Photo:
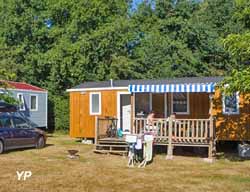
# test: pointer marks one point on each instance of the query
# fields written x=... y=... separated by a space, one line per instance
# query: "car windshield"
x=19 y=120
x=20 y=115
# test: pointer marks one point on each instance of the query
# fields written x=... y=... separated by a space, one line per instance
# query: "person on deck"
x=150 y=127
x=150 y=118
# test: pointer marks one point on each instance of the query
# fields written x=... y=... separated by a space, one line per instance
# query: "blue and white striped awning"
x=173 y=88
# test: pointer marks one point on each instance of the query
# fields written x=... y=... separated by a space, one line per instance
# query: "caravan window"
x=231 y=104
x=21 y=101
x=142 y=104
x=180 y=103
x=95 y=103
x=33 y=102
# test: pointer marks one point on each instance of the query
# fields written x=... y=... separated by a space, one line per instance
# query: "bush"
x=58 y=113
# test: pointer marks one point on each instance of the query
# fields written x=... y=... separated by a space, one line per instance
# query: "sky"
x=135 y=3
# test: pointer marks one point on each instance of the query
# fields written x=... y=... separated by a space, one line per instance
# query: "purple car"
x=17 y=131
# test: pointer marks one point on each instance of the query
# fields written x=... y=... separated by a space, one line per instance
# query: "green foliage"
x=6 y=75
x=61 y=112
x=237 y=81
x=7 y=96
x=239 y=47
x=57 y=44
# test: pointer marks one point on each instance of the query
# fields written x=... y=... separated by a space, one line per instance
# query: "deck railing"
x=105 y=127
x=167 y=131
x=178 y=130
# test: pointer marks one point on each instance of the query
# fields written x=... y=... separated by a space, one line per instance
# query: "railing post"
x=133 y=119
x=170 y=147
x=96 y=130
x=133 y=124
x=212 y=132
x=211 y=138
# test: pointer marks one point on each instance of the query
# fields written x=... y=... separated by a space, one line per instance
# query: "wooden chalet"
x=203 y=114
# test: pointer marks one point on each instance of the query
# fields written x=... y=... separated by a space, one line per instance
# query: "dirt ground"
x=53 y=171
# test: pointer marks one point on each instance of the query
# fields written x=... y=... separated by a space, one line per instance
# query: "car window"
x=20 y=123
x=31 y=123
x=5 y=122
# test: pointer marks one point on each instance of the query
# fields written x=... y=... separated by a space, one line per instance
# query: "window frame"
x=34 y=95
x=22 y=100
x=237 y=105
x=172 y=105
x=90 y=103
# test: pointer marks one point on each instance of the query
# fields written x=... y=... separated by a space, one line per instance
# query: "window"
x=95 y=103
x=142 y=104
x=20 y=123
x=33 y=102
x=180 y=103
x=21 y=100
x=231 y=104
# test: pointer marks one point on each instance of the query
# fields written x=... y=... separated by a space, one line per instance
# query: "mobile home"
x=33 y=101
x=195 y=101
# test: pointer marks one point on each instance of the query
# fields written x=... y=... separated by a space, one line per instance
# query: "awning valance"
x=173 y=88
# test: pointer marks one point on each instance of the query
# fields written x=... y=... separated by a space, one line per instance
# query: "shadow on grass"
x=183 y=151
x=50 y=135
x=25 y=149
x=48 y=145
x=228 y=150
x=56 y=134
x=231 y=157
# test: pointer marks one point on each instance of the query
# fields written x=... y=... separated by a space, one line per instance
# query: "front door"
x=126 y=116
x=125 y=112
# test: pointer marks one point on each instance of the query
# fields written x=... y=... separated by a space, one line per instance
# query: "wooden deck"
x=178 y=132
x=167 y=131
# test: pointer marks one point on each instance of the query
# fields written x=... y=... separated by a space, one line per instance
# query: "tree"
x=4 y=85
x=238 y=45
x=57 y=44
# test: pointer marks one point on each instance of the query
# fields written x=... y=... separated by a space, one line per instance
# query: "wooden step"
x=112 y=142
x=108 y=151
x=112 y=148
x=111 y=145
x=111 y=139
x=104 y=145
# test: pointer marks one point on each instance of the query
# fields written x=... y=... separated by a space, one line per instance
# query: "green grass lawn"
x=53 y=171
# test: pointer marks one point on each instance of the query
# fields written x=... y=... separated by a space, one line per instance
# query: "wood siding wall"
x=232 y=127
x=82 y=124
x=228 y=127
x=157 y=103
x=198 y=106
